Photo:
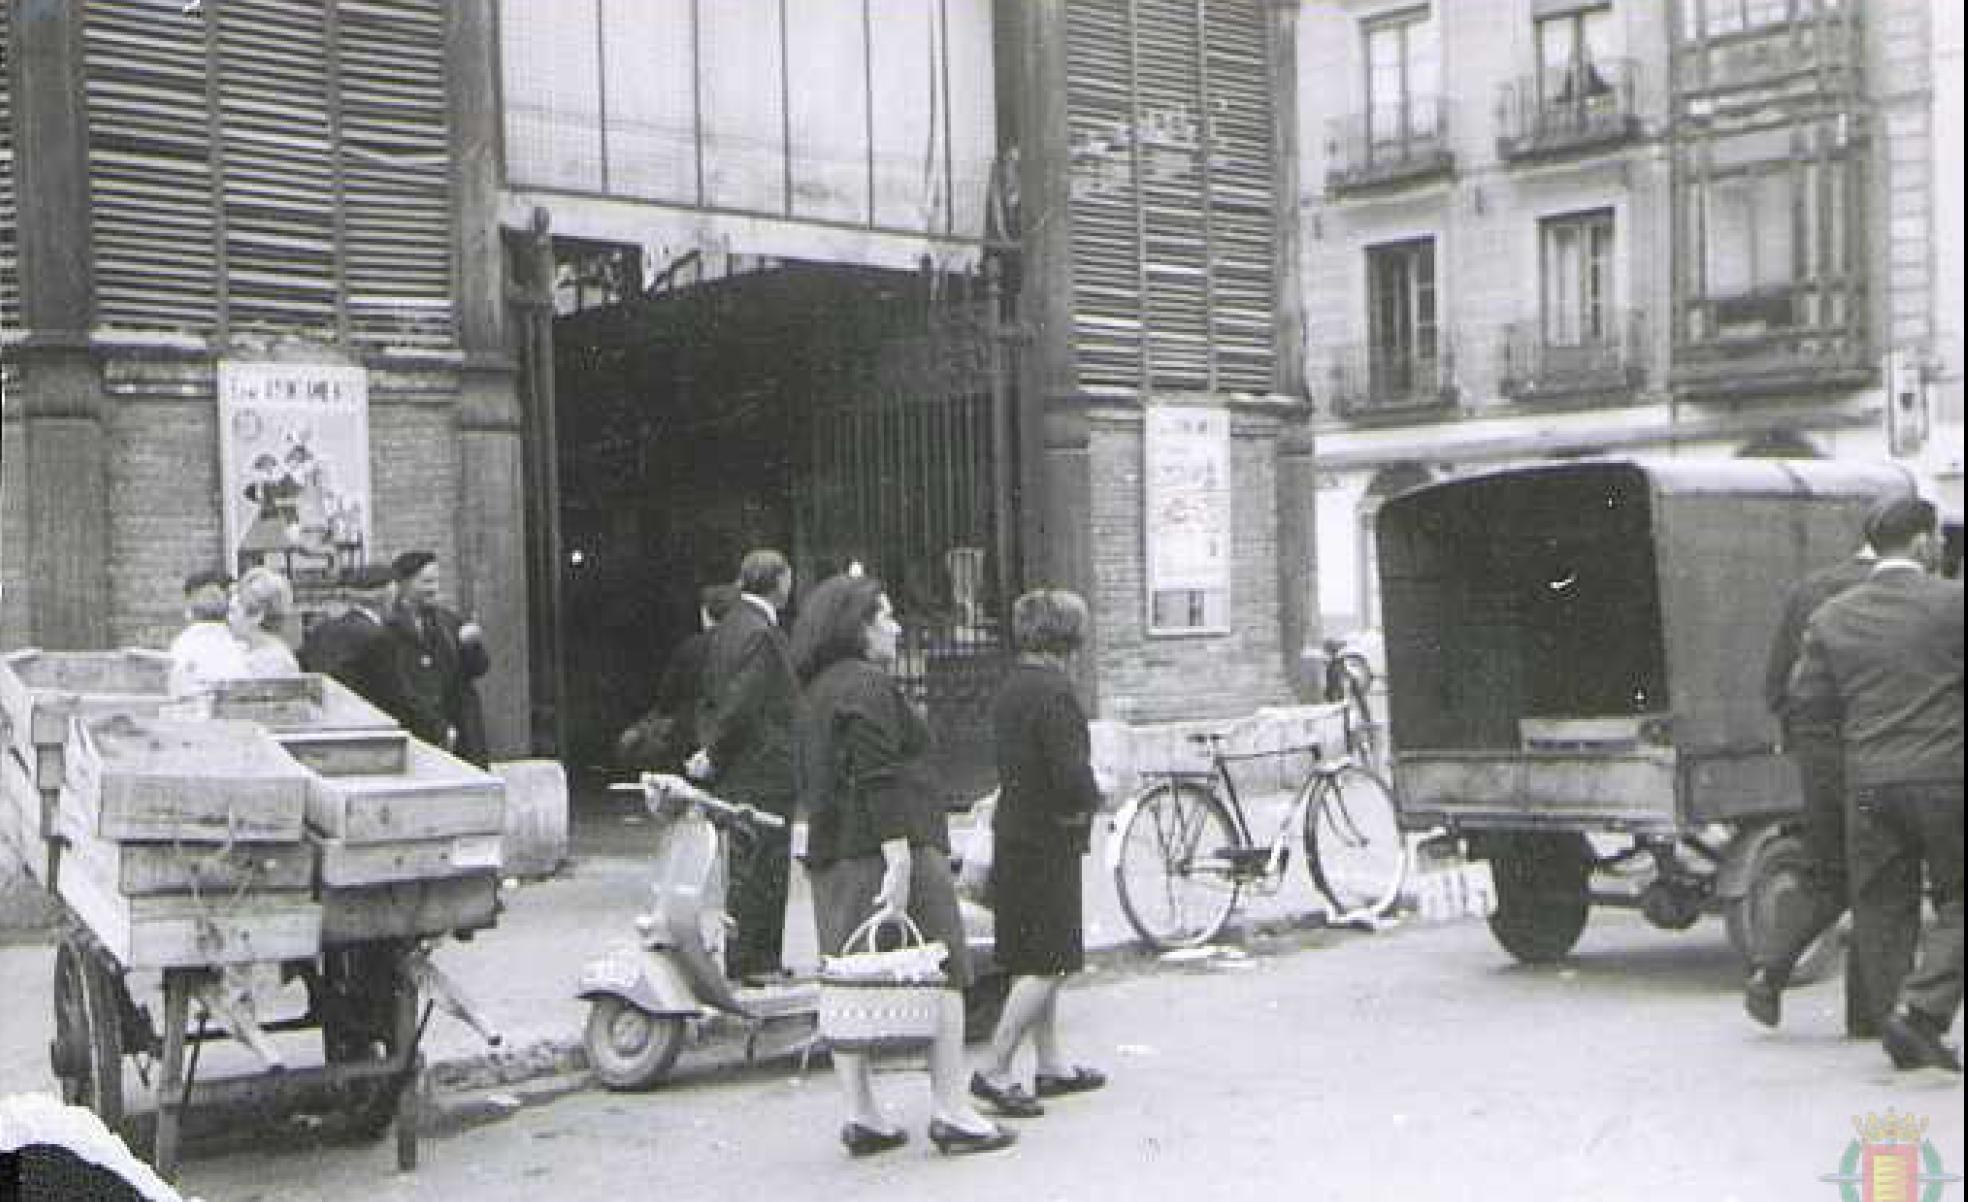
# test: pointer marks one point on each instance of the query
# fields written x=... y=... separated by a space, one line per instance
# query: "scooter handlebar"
x=655 y=786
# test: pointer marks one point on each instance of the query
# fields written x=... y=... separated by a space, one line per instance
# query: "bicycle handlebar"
x=657 y=786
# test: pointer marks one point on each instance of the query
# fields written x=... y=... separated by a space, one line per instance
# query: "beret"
x=410 y=563
x=1897 y=518
x=369 y=577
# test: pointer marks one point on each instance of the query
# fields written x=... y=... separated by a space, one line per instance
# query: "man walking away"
x=750 y=695
x=1884 y=660
x=1819 y=756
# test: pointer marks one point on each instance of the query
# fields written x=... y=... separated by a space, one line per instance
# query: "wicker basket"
x=882 y=1001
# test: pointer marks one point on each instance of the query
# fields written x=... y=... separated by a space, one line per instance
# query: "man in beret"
x=442 y=656
x=1884 y=661
x=356 y=646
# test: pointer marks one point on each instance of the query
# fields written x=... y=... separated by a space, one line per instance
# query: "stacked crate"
x=407 y=837
x=40 y=691
x=185 y=842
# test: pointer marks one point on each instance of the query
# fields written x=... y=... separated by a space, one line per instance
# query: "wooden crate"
x=159 y=779
x=346 y=865
x=406 y=909
x=349 y=752
x=182 y=930
x=41 y=690
x=436 y=795
x=306 y=702
x=145 y=869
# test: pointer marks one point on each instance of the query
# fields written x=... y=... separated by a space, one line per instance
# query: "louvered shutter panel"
x=1105 y=207
x=1243 y=209
x=1174 y=225
x=150 y=163
x=278 y=176
x=10 y=315
x=396 y=173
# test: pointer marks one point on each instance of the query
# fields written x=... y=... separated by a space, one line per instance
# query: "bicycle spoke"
x=1354 y=842
x=1176 y=887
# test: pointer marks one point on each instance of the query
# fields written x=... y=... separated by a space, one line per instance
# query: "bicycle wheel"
x=1353 y=843
x=1177 y=887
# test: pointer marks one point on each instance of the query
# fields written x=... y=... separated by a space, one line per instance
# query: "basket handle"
x=872 y=925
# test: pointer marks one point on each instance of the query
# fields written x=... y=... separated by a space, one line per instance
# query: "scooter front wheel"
x=628 y=1047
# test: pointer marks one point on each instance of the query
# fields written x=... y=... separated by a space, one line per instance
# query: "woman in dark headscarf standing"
x=877 y=841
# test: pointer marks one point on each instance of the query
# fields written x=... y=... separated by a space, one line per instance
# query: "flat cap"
x=370 y=577
x=1896 y=519
x=205 y=579
x=410 y=563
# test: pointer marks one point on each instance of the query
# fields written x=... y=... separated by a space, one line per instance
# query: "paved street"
x=1417 y=1063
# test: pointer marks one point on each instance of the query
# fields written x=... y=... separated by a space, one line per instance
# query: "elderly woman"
x=262 y=603
x=1047 y=800
x=878 y=843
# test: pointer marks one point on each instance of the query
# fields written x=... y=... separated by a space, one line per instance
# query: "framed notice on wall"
x=294 y=466
x=1186 y=482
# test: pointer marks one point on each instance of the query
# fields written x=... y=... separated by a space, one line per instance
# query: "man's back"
x=1886 y=658
x=749 y=697
x=1804 y=600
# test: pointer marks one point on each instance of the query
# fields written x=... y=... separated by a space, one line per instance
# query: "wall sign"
x=1186 y=482
x=294 y=466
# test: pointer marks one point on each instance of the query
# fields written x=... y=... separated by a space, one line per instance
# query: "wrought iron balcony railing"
x=1592 y=105
x=1368 y=380
x=1389 y=144
x=1602 y=357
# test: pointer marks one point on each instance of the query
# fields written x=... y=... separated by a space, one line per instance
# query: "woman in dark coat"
x=1046 y=803
x=878 y=842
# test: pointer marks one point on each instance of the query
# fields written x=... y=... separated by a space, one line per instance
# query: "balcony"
x=1555 y=114
x=1536 y=365
x=1808 y=336
x=1818 y=51
x=1369 y=382
x=1387 y=146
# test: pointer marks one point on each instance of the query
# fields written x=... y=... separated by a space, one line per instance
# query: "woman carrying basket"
x=878 y=843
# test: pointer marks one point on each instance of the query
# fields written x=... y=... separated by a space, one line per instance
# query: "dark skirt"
x=1035 y=891
x=844 y=896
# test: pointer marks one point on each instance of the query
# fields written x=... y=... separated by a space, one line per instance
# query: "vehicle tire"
x=984 y=1004
x=628 y=1047
x=1176 y=887
x=1775 y=880
x=1542 y=900
x=1354 y=847
x=87 y=1052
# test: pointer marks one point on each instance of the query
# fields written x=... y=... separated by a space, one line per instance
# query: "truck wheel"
x=1542 y=901
x=628 y=1047
x=1775 y=892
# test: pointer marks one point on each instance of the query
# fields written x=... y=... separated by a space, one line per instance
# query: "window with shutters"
x=9 y=218
x=272 y=166
x=1172 y=214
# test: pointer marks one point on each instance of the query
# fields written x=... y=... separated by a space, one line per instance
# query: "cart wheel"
x=628 y=1047
x=87 y=1052
x=357 y=1000
x=1542 y=902
x=1774 y=895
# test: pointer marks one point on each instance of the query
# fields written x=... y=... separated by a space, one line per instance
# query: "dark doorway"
x=837 y=413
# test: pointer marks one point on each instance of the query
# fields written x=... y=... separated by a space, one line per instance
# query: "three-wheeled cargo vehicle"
x=1575 y=660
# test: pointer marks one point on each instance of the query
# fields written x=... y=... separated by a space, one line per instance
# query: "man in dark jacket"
x=441 y=656
x=1884 y=661
x=746 y=725
x=1819 y=757
x=357 y=648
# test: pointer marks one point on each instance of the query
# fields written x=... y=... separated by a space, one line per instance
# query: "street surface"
x=1417 y=1063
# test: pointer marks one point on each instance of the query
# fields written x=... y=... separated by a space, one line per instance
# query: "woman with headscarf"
x=878 y=842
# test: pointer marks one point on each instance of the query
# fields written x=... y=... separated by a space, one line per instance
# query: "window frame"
x=1595 y=319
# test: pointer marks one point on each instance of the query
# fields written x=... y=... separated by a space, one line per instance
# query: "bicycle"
x=1349 y=682
x=1185 y=852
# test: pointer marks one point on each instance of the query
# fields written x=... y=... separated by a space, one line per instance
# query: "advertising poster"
x=1188 y=501
x=294 y=466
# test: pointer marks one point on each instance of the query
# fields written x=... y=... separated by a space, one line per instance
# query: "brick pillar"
x=61 y=575
x=491 y=519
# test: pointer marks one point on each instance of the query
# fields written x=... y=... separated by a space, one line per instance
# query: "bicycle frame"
x=1218 y=779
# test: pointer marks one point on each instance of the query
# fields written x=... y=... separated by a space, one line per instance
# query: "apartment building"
x=1558 y=228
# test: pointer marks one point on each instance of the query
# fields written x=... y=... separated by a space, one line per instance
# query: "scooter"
x=647 y=995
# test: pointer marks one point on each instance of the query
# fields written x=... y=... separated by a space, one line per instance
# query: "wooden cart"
x=345 y=852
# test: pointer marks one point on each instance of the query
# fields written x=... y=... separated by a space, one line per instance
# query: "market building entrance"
x=839 y=413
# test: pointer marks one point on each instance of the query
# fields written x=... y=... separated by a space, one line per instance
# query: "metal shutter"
x=396 y=172
x=10 y=316
x=1243 y=208
x=154 y=208
x=1106 y=234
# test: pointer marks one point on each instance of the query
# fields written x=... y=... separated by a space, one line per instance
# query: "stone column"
x=491 y=519
x=1297 y=474
x=62 y=573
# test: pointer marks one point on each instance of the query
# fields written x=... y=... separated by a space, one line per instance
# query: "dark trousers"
x=1895 y=831
x=757 y=901
x=1820 y=761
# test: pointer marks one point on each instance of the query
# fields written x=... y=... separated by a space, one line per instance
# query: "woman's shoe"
x=862 y=1140
x=1011 y=1101
x=955 y=1141
x=1080 y=1080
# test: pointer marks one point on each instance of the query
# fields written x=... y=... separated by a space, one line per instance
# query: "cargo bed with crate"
x=1575 y=662
x=211 y=850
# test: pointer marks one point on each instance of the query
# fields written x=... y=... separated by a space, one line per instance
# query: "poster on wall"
x=1186 y=480
x=294 y=466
